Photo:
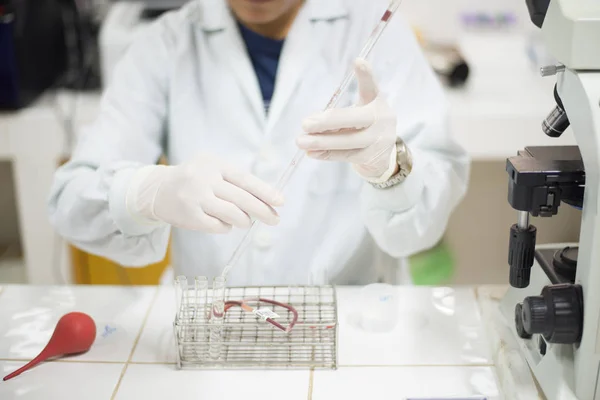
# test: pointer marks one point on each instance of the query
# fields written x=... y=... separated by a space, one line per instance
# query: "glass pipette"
x=293 y=165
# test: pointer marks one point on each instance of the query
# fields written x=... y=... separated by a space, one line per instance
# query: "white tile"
x=437 y=326
x=30 y=313
x=60 y=380
x=157 y=381
x=157 y=343
x=399 y=383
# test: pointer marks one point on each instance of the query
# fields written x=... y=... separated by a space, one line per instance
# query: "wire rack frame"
x=241 y=340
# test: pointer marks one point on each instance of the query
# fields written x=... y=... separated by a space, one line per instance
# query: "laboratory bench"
x=442 y=347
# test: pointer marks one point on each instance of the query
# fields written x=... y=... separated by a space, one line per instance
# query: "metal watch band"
x=405 y=164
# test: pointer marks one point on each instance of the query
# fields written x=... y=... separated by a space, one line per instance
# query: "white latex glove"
x=364 y=135
x=205 y=194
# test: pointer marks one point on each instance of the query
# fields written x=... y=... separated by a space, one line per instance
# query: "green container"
x=433 y=267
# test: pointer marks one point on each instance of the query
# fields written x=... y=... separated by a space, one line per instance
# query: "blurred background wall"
x=10 y=237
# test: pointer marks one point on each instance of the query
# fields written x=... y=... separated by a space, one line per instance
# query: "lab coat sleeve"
x=413 y=216
x=87 y=200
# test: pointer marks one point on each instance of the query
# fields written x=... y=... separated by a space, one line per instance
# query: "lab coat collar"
x=323 y=10
x=298 y=50
x=213 y=15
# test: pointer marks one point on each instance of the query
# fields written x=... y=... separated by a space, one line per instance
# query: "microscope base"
x=551 y=364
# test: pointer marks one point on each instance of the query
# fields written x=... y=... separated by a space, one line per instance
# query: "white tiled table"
x=438 y=349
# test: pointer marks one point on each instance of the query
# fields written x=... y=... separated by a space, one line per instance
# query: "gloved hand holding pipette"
x=364 y=135
x=205 y=194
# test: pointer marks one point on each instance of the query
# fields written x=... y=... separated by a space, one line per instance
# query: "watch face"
x=404 y=160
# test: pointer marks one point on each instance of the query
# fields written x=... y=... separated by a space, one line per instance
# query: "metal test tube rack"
x=208 y=337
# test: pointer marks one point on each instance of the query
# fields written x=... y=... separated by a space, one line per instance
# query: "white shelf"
x=505 y=102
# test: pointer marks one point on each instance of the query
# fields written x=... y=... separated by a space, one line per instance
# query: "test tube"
x=201 y=289
x=318 y=276
x=201 y=285
x=180 y=294
x=216 y=318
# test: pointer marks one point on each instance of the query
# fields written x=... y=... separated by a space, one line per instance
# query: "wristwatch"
x=405 y=164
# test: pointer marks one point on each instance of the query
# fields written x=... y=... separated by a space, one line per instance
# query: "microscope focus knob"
x=534 y=314
x=557 y=314
x=521 y=253
x=519 y=322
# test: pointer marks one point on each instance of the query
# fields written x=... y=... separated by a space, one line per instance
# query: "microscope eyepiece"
x=557 y=122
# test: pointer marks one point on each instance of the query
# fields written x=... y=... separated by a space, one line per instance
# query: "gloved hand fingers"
x=367 y=87
x=373 y=160
x=340 y=118
x=253 y=185
x=226 y=212
x=343 y=140
x=194 y=219
x=367 y=164
x=335 y=155
x=374 y=164
x=247 y=203
x=209 y=224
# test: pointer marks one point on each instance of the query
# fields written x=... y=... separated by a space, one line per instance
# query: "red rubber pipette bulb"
x=74 y=333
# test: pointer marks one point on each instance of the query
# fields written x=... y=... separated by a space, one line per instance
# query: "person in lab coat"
x=228 y=91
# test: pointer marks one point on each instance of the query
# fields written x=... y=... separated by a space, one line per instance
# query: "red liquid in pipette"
x=74 y=333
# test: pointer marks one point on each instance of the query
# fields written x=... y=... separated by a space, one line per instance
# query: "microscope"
x=554 y=298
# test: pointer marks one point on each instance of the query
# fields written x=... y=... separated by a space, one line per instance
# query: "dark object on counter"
x=75 y=333
x=46 y=44
x=32 y=50
x=448 y=63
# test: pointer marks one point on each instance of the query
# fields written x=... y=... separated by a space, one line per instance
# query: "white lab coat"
x=187 y=85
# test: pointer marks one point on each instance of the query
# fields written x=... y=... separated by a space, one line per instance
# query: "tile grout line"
x=135 y=343
x=477 y=365
x=311 y=381
x=90 y=361
x=64 y=361
x=476 y=295
x=489 y=345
